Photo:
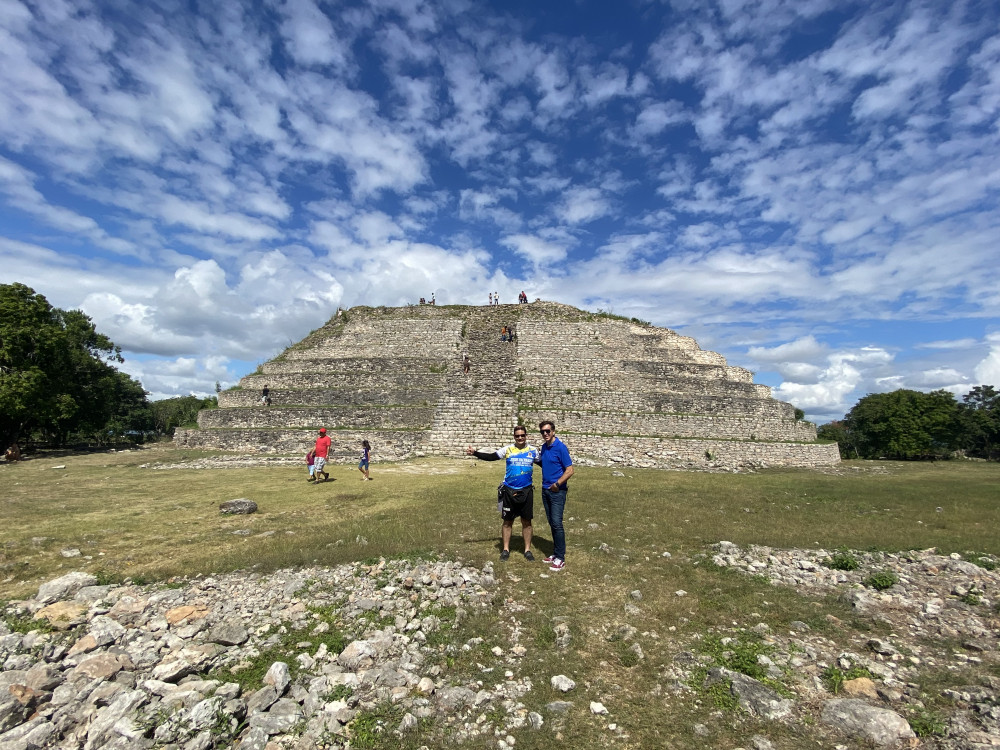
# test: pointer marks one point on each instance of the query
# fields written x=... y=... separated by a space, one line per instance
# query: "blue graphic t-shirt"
x=520 y=462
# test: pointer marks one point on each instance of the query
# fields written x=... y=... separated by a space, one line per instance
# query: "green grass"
x=842 y=560
x=881 y=580
x=134 y=523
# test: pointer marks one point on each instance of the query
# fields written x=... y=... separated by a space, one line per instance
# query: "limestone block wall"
x=359 y=380
x=475 y=419
x=387 y=445
x=372 y=364
x=675 y=425
x=671 y=453
x=361 y=417
x=614 y=376
x=376 y=396
x=542 y=399
x=612 y=340
x=381 y=337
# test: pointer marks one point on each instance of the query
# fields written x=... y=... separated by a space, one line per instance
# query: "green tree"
x=56 y=373
x=170 y=413
x=980 y=421
x=904 y=424
x=837 y=432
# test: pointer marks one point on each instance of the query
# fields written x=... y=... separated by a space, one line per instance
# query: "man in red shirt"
x=322 y=451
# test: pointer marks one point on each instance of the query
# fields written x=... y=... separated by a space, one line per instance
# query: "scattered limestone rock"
x=861 y=687
x=562 y=683
x=238 y=507
x=62 y=614
x=857 y=718
x=752 y=695
x=64 y=587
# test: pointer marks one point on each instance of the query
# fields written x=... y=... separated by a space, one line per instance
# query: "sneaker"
x=557 y=564
x=528 y=556
x=505 y=554
x=550 y=559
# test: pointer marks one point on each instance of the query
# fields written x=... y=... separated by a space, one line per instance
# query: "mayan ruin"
x=621 y=391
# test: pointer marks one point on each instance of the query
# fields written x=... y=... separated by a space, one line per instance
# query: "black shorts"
x=516 y=503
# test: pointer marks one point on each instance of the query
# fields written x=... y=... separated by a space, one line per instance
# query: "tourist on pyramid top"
x=491 y=299
x=322 y=452
x=515 y=495
x=466 y=364
x=265 y=396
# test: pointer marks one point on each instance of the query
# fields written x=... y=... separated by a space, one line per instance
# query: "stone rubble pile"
x=131 y=666
x=941 y=616
x=152 y=666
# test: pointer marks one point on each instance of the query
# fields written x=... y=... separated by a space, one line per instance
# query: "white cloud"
x=541 y=252
x=948 y=344
x=987 y=372
x=657 y=116
x=607 y=82
x=582 y=205
x=803 y=349
x=844 y=372
x=309 y=36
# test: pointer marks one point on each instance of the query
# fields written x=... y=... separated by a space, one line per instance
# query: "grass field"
x=150 y=525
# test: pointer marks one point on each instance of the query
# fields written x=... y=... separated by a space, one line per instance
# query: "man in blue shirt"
x=516 y=495
x=557 y=468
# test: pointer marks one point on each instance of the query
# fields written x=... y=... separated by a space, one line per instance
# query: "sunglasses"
x=520 y=434
x=546 y=432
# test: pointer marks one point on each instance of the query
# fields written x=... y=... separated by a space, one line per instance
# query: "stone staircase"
x=480 y=409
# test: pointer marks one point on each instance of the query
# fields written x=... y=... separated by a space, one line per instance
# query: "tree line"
x=59 y=384
x=907 y=424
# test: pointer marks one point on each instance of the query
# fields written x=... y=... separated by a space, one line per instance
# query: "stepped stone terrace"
x=619 y=391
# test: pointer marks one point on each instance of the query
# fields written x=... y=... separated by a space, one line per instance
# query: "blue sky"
x=809 y=187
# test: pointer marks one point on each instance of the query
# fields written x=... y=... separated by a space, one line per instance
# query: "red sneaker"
x=557 y=564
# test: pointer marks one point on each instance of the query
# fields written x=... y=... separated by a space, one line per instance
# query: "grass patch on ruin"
x=618 y=588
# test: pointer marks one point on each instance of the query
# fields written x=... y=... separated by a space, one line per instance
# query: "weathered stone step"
x=567 y=366
x=627 y=401
x=310 y=397
x=353 y=364
x=387 y=445
x=354 y=417
x=682 y=453
x=389 y=379
x=386 y=337
x=670 y=425
x=632 y=383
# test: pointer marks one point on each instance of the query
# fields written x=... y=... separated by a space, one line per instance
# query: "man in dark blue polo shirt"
x=557 y=468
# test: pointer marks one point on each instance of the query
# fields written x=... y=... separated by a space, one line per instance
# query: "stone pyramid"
x=619 y=391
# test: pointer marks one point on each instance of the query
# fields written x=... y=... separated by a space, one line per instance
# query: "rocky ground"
x=153 y=666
